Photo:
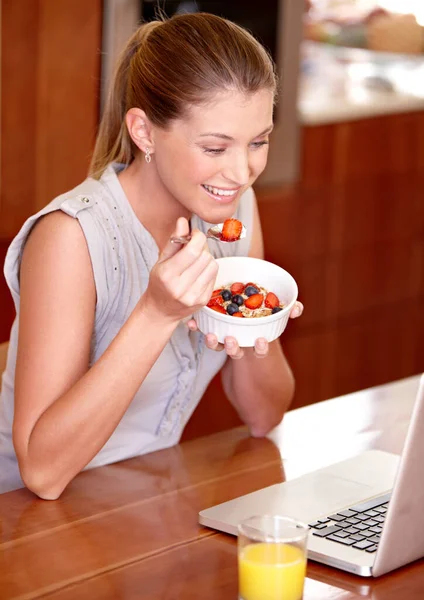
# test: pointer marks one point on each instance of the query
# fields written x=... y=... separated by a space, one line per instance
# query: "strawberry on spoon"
x=231 y=230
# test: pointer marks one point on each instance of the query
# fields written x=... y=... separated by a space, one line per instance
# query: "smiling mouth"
x=219 y=192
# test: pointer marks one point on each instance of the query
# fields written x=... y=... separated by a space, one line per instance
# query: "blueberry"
x=276 y=309
x=237 y=299
x=232 y=308
x=250 y=290
x=226 y=295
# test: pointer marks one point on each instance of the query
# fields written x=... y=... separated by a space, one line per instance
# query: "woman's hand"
x=231 y=346
x=182 y=280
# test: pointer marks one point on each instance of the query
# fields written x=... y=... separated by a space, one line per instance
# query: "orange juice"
x=271 y=571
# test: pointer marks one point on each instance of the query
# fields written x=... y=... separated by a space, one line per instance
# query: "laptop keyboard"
x=358 y=526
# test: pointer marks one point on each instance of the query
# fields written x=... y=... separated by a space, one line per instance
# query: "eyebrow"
x=224 y=136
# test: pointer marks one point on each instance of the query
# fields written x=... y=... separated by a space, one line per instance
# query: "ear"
x=140 y=129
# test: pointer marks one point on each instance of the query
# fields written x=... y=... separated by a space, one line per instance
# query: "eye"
x=256 y=145
x=214 y=151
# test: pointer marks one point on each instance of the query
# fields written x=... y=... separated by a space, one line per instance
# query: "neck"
x=153 y=205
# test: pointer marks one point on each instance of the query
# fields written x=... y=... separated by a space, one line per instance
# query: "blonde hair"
x=169 y=65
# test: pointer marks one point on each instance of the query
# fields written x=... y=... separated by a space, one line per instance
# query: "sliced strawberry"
x=231 y=230
x=237 y=288
x=254 y=301
x=219 y=309
x=216 y=293
x=271 y=300
x=238 y=314
x=216 y=301
x=252 y=284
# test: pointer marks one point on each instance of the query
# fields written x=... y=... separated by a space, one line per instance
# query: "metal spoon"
x=213 y=233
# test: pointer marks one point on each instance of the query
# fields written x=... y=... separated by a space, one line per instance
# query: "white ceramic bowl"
x=246 y=331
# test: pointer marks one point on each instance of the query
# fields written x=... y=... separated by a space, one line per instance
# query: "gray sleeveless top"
x=122 y=253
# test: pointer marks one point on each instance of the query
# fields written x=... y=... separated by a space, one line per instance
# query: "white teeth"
x=218 y=192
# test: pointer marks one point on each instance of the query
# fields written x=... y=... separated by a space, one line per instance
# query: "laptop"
x=365 y=514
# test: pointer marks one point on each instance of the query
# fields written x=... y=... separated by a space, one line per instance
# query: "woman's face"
x=206 y=160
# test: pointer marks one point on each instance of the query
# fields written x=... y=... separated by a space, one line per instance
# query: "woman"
x=105 y=362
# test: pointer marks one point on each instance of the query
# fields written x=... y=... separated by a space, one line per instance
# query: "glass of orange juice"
x=271 y=558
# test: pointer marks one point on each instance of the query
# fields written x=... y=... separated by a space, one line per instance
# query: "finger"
x=189 y=277
x=212 y=342
x=297 y=310
x=192 y=325
x=181 y=228
x=261 y=348
x=232 y=348
x=200 y=287
x=190 y=253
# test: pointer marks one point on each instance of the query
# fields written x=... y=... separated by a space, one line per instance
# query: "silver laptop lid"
x=402 y=538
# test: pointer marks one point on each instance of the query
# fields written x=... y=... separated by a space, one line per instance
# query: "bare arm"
x=261 y=390
x=64 y=410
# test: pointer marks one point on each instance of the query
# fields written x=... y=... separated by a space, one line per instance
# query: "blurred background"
x=341 y=200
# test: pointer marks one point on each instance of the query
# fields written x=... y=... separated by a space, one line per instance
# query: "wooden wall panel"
x=50 y=71
x=7 y=309
x=417 y=323
x=375 y=210
x=18 y=124
x=378 y=347
x=317 y=158
x=50 y=96
x=68 y=78
x=379 y=146
x=370 y=276
x=300 y=227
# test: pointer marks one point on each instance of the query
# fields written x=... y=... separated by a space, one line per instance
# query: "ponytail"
x=113 y=143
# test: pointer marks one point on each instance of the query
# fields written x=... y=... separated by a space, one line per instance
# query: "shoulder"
x=54 y=219
x=77 y=222
x=56 y=248
x=55 y=228
x=56 y=280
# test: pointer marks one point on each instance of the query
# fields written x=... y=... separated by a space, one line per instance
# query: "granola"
x=245 y=300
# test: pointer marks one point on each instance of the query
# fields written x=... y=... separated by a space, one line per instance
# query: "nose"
x=237 y=168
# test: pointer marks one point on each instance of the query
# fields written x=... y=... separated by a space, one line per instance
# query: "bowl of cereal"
x=252 y=298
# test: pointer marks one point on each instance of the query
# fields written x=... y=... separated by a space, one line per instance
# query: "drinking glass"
x=271 y=558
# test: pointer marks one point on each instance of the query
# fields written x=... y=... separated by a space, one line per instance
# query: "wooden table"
x=130 y=530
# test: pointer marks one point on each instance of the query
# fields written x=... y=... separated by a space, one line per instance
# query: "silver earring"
x=147 y=156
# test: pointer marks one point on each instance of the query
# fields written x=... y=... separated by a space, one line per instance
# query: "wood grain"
x=50 y=73
x=130 y=530
x=18 y=124
x=7 y=309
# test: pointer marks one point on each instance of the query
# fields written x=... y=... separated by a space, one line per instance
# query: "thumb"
x=181 y=228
